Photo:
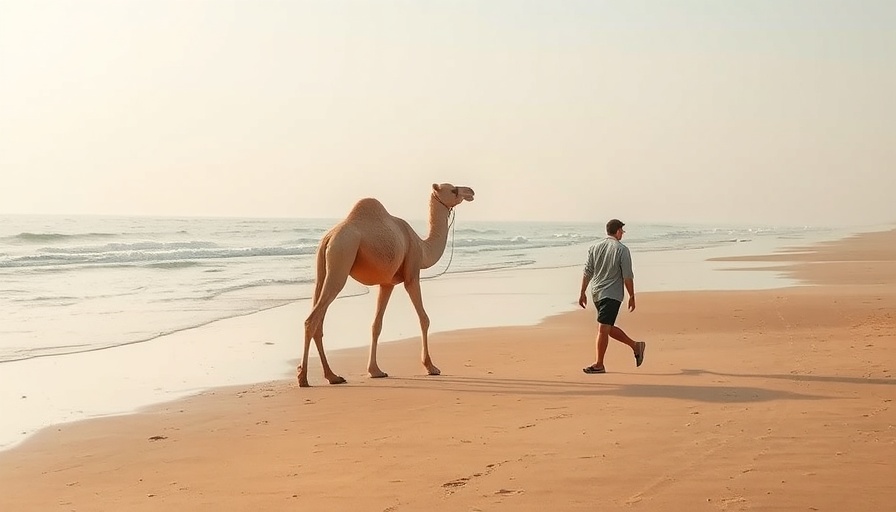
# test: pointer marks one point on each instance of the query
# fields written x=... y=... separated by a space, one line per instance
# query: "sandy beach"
x=775 y=399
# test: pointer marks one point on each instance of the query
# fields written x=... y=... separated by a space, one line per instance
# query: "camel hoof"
x=302 y=378
x=433 y=371
x=378 y=375
x=336 y=380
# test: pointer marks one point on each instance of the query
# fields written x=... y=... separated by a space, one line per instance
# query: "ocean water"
x=79 y=284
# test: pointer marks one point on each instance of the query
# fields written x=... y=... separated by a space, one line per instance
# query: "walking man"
x=609 y=271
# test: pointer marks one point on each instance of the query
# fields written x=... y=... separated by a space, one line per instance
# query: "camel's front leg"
x=413 y=288
x=385 y=292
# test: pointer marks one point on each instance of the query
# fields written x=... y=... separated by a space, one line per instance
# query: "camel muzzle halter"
x=439 y=199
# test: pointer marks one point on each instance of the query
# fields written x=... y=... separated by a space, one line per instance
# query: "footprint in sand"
x=508 y=492
x=460 y=482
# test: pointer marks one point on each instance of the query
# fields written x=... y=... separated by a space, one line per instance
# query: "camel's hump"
x=368 y=206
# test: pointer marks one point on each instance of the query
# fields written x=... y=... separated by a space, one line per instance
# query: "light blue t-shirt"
x=609 y=264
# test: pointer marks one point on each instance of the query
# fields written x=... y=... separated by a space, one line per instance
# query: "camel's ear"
x=435 y=187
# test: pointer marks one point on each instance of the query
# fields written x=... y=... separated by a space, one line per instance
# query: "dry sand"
x=751 y=400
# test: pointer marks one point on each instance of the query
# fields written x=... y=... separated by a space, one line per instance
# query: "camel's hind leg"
x=382 y=300
x=413 y=288
x=332 y=275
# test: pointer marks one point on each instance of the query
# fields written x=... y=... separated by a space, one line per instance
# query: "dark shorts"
x=607 y=311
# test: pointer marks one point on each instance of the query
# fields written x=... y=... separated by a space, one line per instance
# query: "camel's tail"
x=321 y=262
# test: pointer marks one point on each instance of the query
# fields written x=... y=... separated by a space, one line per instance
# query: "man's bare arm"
x=583 y=299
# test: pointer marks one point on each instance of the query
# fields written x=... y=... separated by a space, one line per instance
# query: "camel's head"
x=451 y=196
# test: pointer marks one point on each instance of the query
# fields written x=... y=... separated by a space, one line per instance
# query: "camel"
x=376 y=248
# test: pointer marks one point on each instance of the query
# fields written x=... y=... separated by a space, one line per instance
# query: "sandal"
x=639 y=356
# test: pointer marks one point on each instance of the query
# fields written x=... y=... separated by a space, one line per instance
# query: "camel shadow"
x=548 y=388
x=793 y=377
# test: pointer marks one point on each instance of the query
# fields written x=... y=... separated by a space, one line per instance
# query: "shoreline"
x=142 y=322
x=196 y=361
x=731 y=380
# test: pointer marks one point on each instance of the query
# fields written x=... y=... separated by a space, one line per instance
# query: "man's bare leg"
x=603 y=341
x=618 y=334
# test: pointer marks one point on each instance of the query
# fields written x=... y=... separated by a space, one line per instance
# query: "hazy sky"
x=775 y=112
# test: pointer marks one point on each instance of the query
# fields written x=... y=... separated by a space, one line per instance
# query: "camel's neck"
x=434 y=244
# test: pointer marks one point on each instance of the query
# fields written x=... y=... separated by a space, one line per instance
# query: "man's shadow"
x=498 y=385
x=796 y=377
